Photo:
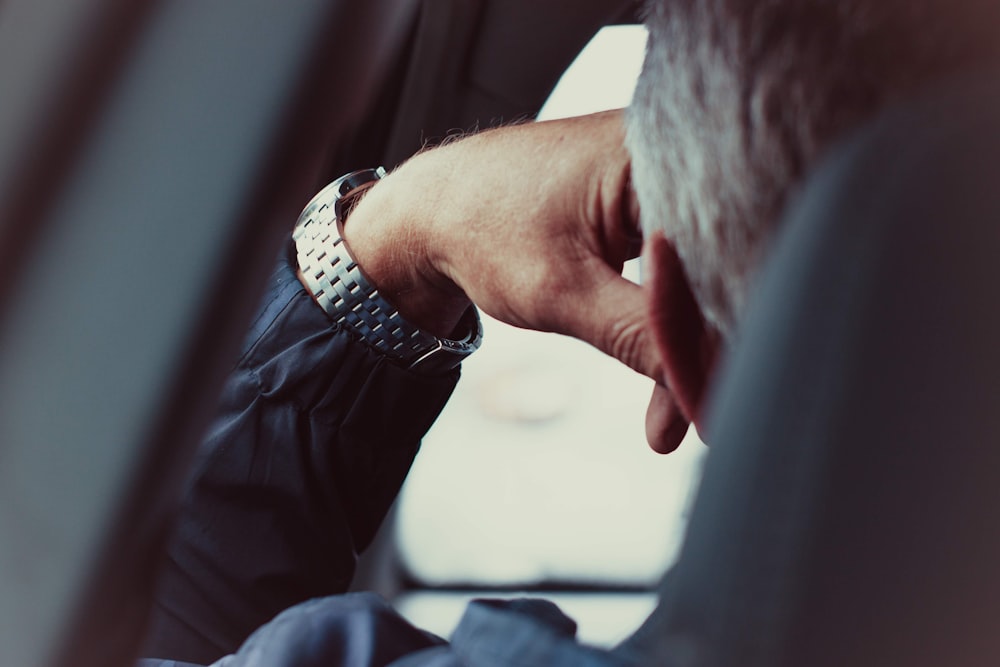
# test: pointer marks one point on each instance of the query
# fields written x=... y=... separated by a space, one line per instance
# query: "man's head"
x=738 y=100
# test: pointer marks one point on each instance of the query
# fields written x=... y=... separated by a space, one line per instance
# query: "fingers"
x=610 y=313
x=666 y=425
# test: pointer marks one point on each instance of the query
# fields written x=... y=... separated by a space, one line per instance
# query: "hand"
x=531 y=222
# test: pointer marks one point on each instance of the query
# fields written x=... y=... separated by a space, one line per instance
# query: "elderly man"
x=737 y=103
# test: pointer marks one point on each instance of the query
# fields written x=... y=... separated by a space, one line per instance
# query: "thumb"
x=611 y=313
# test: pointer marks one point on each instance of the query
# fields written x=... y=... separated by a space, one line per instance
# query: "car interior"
x=158 y=252
x=545 y=410
x=153 y=156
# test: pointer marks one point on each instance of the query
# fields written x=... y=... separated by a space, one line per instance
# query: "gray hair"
x=738 y=99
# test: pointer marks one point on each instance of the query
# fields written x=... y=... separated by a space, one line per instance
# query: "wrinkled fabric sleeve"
x=312 y=439
x=363 y=630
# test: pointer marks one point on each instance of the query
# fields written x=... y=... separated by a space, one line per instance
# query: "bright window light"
x=602 y=77
x=538 y=471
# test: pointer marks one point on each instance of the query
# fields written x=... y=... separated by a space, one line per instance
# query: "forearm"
x=314 y=435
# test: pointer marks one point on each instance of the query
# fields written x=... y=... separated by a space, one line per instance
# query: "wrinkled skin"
x=532 y=223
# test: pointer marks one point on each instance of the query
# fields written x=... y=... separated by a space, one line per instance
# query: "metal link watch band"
x=337 y=283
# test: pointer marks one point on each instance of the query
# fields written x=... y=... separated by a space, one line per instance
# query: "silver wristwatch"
x=345 y=293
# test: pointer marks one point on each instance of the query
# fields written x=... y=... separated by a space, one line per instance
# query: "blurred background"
x=536 y=479
x=184 y=137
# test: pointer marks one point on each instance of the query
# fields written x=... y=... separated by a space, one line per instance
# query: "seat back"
x=848 y=512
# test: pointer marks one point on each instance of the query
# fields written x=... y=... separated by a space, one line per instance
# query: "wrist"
x=332 y=274
x=398 y=256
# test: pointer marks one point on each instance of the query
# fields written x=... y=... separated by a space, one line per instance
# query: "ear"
x=688 y=347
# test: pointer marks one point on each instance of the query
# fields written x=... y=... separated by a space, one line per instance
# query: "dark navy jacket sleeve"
x=362 y=630
x=312 y=439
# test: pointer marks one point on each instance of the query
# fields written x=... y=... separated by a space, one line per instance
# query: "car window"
x=537 y=474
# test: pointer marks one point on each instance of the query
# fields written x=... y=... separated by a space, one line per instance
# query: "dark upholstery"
x=850 y=505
